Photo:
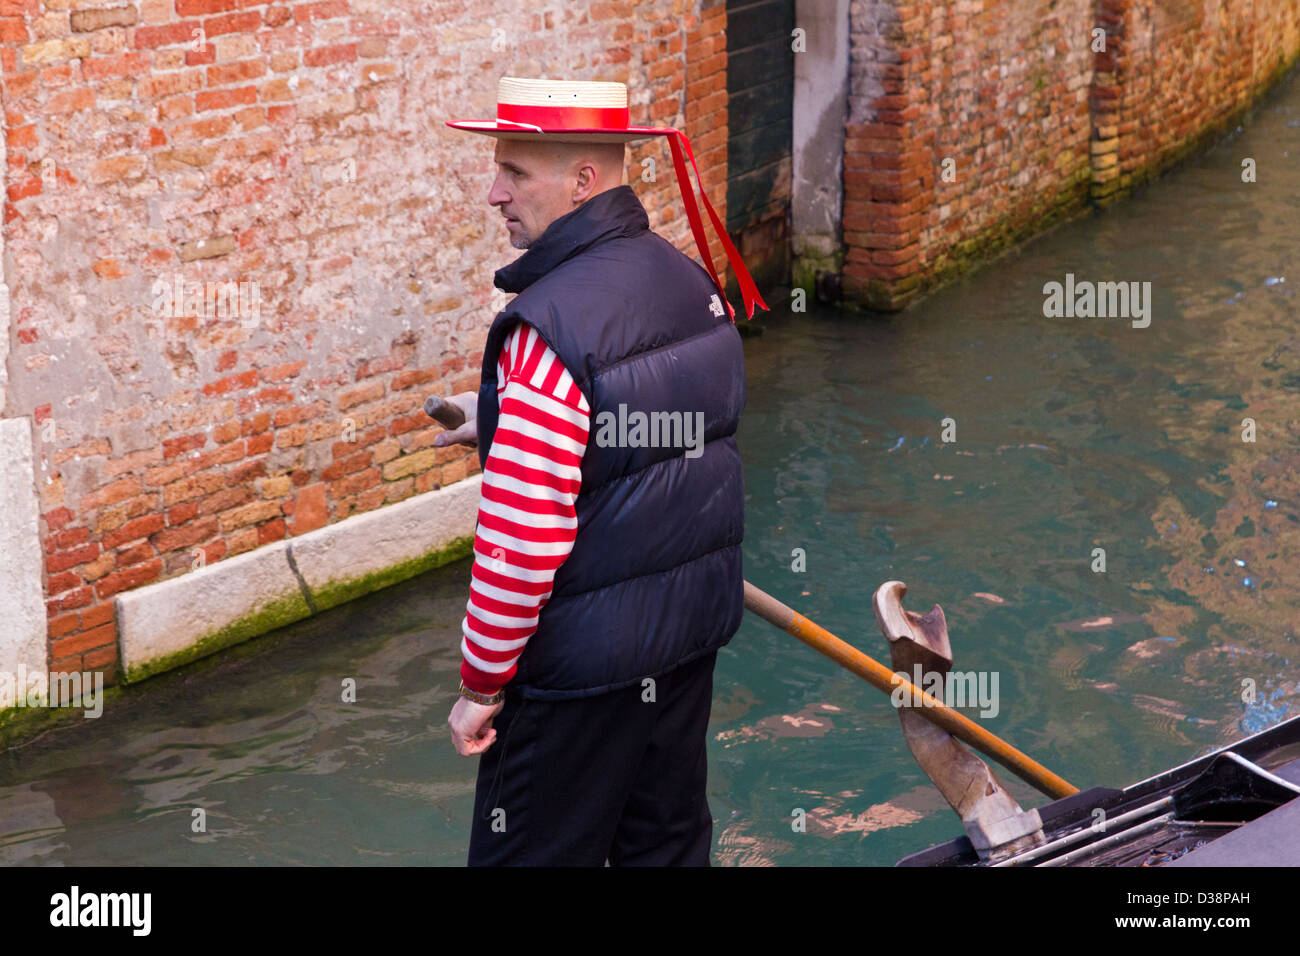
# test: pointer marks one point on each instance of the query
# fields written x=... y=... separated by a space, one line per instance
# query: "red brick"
x=111 y=494
x=278 y=373
x=201 y=57
x=281 y=115
x=260 y=444
x=304 y=12
x=183 y=537
x=13 y=30
x=140 y=527
x=326 y=55
x=88 y=21
x=62 y=560
x=128 y=578
x=24 y=190
x=198 y=8
x=21 y=137
x=212 y=127
x=347 y=465
x=167 y=34
x=100 y=659
x=109 y=269
x=179 y=446
x=168 y=84
x=310 y=509
x=245 y=22
x=70 y=664
x=118 y=64
x=182 y=512
x=97 y=615
x=359 y=396
x=896 y=257
x=133 y=555
x=270 y=531
x=231 y=383
x=59 y=626
x=225 y=432
x=61 y=584
x=235 y=72
x=70 y=538
x=85 y=641
x=225 y=499
x=118 y=169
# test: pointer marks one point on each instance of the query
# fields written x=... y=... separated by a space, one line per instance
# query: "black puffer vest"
x=654 y=578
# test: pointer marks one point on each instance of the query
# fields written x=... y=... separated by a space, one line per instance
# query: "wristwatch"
x=484 y=699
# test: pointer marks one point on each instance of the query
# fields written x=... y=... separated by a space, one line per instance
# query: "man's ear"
x=585 y=182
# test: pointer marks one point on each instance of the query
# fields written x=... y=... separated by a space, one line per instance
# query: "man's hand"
x=471 y=726
x=466 y=434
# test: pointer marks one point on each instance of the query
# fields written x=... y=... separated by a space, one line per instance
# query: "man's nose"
x=497 y=195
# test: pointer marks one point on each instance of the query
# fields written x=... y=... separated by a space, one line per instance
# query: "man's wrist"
x=488 y=700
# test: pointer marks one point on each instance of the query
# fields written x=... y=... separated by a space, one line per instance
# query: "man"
x=607 y=566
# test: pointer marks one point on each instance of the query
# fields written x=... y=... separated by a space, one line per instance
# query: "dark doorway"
x=760 y=92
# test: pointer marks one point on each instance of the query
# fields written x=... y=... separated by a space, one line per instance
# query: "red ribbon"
x=748 y=291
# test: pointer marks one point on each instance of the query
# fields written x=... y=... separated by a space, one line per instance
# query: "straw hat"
x=591 y=111
x=566 y=111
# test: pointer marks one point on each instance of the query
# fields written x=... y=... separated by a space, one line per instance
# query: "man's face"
x=532 y=188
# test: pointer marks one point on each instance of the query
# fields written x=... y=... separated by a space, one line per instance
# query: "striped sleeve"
x=527 y=518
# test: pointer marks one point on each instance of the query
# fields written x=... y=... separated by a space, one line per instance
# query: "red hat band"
x=612 y=118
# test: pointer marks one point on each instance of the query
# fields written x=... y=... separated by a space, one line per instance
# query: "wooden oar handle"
x=887 y=681
x=768 y=607
x=446 y=414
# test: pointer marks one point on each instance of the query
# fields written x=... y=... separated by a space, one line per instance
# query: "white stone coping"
x=163 y=619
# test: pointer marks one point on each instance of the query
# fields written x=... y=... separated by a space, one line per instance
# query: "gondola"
x=1236 y=806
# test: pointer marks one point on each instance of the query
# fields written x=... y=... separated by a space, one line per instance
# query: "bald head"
x=537 y=182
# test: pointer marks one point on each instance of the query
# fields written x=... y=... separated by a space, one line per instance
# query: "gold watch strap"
x=478 y=698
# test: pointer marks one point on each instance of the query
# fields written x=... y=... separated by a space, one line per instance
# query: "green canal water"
x=1072 y=434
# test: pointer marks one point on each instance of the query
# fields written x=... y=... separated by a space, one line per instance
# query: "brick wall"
x=1179 y=68
x=1036 y=122
x=299 y=149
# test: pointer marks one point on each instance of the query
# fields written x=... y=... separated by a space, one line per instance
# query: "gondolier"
x=607 y=569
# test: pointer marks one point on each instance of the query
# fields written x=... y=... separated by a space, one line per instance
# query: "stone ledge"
x=166 y=625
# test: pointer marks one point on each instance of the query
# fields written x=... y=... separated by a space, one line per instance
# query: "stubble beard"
x=521 y=240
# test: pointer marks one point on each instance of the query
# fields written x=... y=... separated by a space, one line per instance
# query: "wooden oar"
x=884 y=679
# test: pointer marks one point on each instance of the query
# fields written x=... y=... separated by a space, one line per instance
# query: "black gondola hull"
x=1236 y=806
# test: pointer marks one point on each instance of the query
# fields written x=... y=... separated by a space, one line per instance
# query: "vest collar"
x=608 y=215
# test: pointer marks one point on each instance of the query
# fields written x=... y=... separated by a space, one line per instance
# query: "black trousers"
x=613 y=777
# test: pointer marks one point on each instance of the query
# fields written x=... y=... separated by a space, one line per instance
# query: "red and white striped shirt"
x=527 y=520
